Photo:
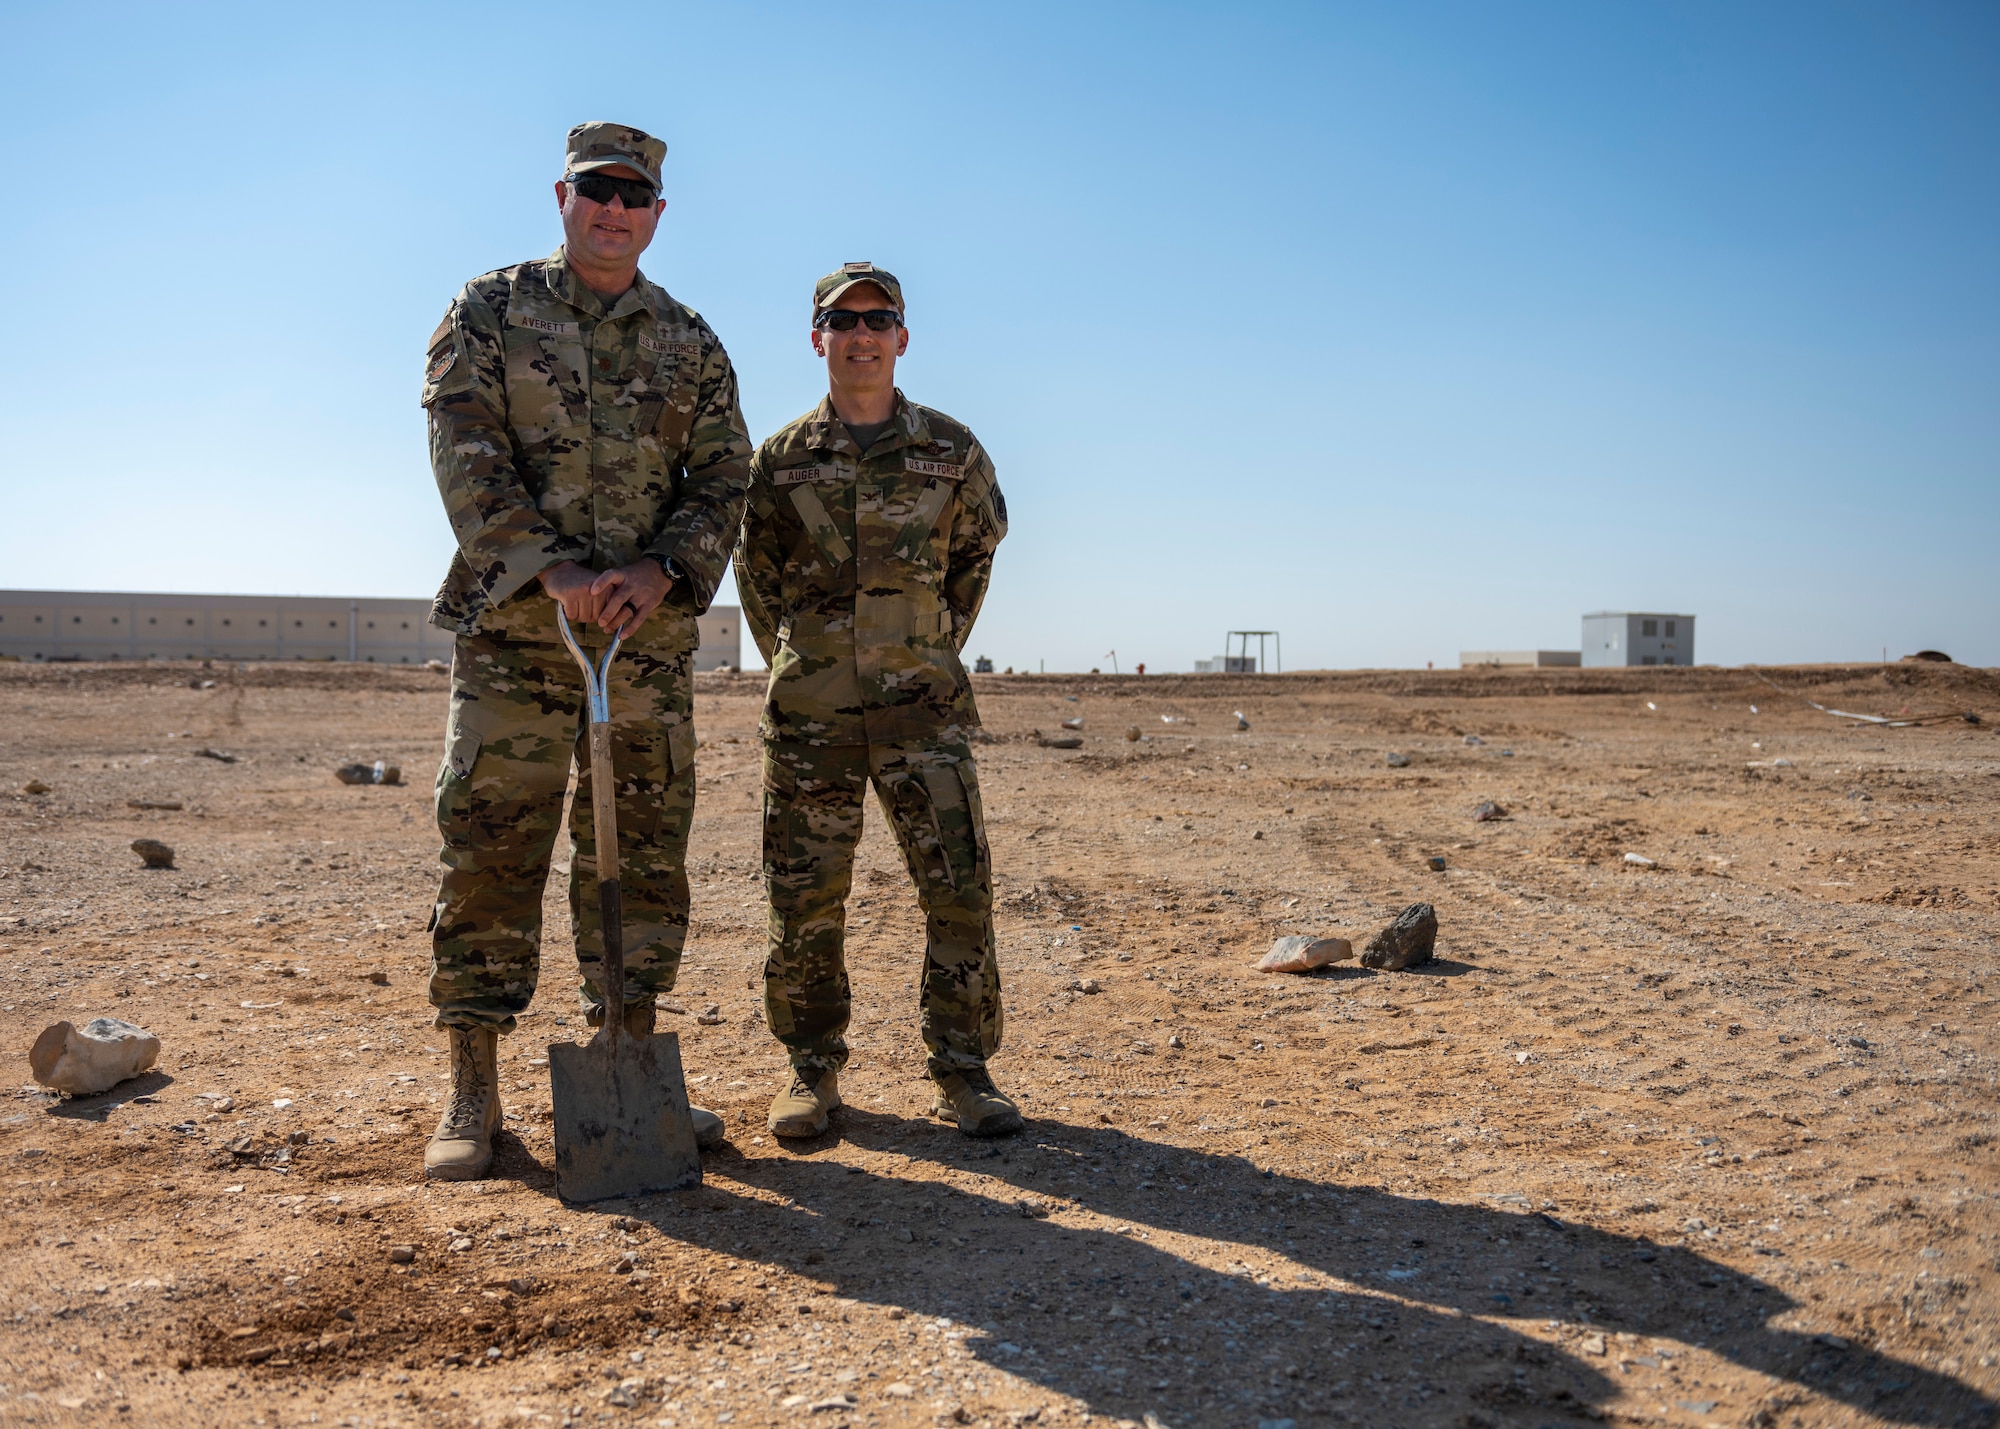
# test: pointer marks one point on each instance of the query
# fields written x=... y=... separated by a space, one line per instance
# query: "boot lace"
x=468 y=1088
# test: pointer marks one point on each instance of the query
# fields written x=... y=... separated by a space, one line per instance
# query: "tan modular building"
x=101 y=625
x=1519 y=659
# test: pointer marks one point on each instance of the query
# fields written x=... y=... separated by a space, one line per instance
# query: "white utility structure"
x=1616 y=637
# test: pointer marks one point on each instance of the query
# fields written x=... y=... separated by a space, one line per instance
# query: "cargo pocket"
x=912 y=808
x=781 y=789
x=454 y=781
x=968 y=778
x=680 y=746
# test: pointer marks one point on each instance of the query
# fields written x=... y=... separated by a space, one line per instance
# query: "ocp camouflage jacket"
x=561 y=431
x=861 y=575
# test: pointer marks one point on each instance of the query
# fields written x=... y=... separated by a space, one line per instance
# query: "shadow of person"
x=1220 y=1292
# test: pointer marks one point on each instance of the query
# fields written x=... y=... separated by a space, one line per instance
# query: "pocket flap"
x=464 y=752
x=680 y=745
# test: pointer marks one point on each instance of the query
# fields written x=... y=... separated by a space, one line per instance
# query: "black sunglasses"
x=600 y=188
x=844 y=319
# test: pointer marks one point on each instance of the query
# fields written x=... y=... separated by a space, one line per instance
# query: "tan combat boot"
x=801 y=1109
x=979 y=1107
x=641 y=1020
x=462 y=1147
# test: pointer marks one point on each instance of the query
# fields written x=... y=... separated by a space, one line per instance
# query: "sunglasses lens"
x=844 y=320
x=599 y=189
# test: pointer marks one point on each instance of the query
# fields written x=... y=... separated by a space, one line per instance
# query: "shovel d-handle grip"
x=604 y=824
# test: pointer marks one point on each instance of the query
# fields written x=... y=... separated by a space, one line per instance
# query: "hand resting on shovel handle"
x=619 y=599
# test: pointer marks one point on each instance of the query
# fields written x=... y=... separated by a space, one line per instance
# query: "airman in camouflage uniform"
x=865 y=553
x=587 y=441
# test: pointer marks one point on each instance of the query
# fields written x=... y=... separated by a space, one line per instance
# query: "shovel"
x=621 y=1104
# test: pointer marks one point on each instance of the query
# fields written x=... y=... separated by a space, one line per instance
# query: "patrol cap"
x=828 y=289
x=602 y=145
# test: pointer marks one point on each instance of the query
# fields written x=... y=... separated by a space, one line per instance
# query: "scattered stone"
x=710 y=1016
x=1592 y=1344
x=1399 y=761
x=217 y=755
x=839 y=1402
x=1487 y=812
x=380 y=772
x=1405 y=943
x=619 y=1397
x=34 y=786
x=1088 y=984
x=377 y=976
x=96 y=1057
x=1175 y=1042
x=154 y=853
x=1436 y=862
x=1132 y=733
x=152 y=803
x=1076 y=723
x=1474 y=739
x=1639 y=860
x=1068 y=741
x=1241 y=723
x=402 y=1255
x=899 y=1390
x=1861 y=795
x=1300 y=954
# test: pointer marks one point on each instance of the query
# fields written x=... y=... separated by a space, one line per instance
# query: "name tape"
x=793 y=475
x=535 y=324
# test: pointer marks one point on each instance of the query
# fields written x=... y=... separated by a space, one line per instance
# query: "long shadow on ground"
x=1131 y=1328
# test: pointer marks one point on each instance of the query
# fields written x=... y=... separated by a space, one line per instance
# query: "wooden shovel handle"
x=610 y=902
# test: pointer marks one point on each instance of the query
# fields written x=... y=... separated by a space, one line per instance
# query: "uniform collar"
x=826 y=432
x=564 y=283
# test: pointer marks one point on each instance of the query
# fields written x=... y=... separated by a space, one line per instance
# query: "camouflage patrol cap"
x=601 y=145
x=828 y=289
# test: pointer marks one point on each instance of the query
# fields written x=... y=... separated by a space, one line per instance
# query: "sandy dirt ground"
x=1707 y=1139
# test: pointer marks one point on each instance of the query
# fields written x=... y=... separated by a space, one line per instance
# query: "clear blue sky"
x=1400 y=328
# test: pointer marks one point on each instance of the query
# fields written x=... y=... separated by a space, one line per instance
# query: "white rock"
x=1302 y=954
x=1638 y=860
x=96 y=1057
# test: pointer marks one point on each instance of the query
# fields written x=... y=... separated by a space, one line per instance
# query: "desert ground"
x=1704 y=1139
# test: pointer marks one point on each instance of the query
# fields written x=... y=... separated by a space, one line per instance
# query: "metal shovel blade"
x=621 y=1114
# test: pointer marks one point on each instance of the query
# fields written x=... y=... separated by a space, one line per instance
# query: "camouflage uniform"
x=563 y=431
x=861 y=574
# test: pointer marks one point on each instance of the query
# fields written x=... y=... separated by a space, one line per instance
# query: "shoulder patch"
x=793 y=475
x=944 y=470
x=440 y=364
x=547 y=325
x=443 y=332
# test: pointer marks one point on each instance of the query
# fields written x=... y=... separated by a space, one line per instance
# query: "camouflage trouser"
x=813 y=797
x=515 y=726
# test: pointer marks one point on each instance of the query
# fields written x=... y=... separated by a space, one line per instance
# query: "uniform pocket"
x=463 y=753
x=462 y=743
x=680 y=746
